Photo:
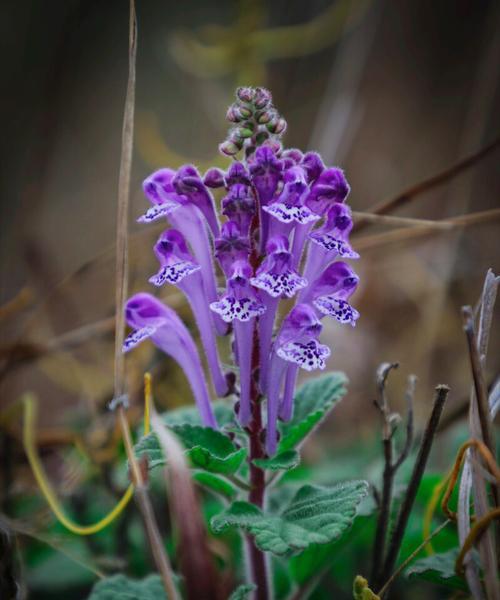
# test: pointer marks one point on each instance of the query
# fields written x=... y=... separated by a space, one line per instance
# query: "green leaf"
x=242 y=591
x=216 y=484
x=120 y=587
x=223 y=411
x=316 y=515
x=207 y=449
x=311 y=405
x=284 y=461
x=438 y=568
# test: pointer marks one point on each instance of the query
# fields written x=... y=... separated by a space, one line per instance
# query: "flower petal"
x=329 y=242
x=278 y=284
x=243 y=309
x=339 y=309
x=308 y=355
x=158 y=211
x=174 y=273
x=286 y=213
x=137 y=336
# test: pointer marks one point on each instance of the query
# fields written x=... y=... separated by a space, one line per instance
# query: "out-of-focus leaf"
x=223 y=411
x=207 y=449
x=242 y=592
x=312 y=403
x=315 y=515
x=120 y=587
x=438 y=568
x=221 y=486
x=283 y=461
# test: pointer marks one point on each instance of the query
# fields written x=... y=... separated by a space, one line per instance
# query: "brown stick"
x=436 y=180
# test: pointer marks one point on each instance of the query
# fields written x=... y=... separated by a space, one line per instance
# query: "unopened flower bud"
x=280 y=127
x=262 y=97
x=233 y=114
x=214 y=178
x=261 y=137
x=245 y=94
x=264 y=116
x=229 y=148
x=245 y=112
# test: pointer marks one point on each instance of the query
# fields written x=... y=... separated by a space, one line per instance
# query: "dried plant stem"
x=434 y=181
x=408 y=560
x=481 y=393
x=416 y=476
x=474 y=535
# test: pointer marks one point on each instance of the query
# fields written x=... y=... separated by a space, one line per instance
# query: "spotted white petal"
x=242 y=309
x=137 y=336
x=279 y=284
x=338 y=309
x=329 y=242
x=286 y=213
x=157 y=211
x=174 y=273
x=308 y=355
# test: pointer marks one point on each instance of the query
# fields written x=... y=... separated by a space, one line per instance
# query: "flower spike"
x=151 y=319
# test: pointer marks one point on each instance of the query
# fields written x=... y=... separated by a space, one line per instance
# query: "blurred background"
x=393 y=92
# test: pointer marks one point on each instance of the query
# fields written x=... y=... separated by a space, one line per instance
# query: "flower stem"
x=257 y=558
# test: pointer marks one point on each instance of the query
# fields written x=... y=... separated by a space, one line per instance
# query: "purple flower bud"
x=178 y=267
x=331 y=186
x=264 y=116
x=150 y=318
x=214 y=178
x=291 y=157
x=239 y=206
x=189 y=183
x=231 y=246
x=245 y=94
x=262 y=98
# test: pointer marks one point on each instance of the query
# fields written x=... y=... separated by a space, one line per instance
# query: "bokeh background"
x=393 y=92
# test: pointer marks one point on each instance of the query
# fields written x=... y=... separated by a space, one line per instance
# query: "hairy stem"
x=257 y=559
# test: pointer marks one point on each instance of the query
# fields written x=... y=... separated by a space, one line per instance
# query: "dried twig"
x=391 y=465
x=436 y=180
x=416 y=476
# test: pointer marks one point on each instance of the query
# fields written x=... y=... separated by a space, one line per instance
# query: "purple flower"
x=240 y=305
x=188 y=182
x=178 y=267
x=331 y=291
x=185 y=217
x=150 y=318
x=331 y=186
x=312 y=165
x=330 y=241
x=277 y=277
x=296 y=346
x=239 y=206
x=231 y=246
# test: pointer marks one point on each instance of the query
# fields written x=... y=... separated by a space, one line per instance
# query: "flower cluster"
x=285 y=235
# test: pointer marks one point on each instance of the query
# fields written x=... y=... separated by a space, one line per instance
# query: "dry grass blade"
x=123 y=208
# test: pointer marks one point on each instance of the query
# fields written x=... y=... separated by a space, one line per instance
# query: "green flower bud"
x=263 y=116
x=228 y=148
x=261 y=137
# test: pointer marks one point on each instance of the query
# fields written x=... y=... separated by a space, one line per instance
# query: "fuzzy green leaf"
x=312 y=403
x=242 y=592
x=223 y=411
x=316 y=515
x=212 y=482
x=207 y=449
x=120 y=587
x=284 y=461
x=438 y=568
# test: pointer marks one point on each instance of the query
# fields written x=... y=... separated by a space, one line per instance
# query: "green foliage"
x=438 y=568
x=216 y=484
x=242 y=592
x=361 y=590
x=315 y=515
x=120 y=587
x=284 y=461
x=207 y=449
x=312 y=403
x=223 y=410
